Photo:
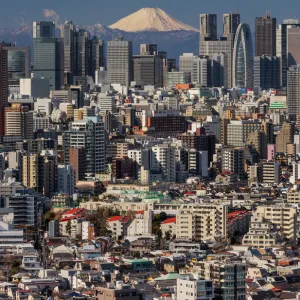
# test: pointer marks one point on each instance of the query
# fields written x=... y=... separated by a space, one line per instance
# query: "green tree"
x=49 y=216
x=168 y=235
x=68 y=227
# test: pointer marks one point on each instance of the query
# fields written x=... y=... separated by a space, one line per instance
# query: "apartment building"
x=191 y=287
x=141 y=224
x=259 y=234
x=284 y=218
x=202 y=222
x=228 y=277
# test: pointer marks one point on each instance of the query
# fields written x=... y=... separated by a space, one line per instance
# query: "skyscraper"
x=119 y=61
x=68 y=37
x=208 y=27
x=282 y=46
x=82 y=51
x=242 y=65
x=265 y=28
x=293 y=91
x=47 y=54
x=211 y=45
x=3 y=86
x=231 y=22
x=96 y=55
x=148 y=49
x=18 y=63
x=148 y=70
x=267 y=72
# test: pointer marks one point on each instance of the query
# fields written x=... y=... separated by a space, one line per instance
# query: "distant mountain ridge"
x=148 y=25
x=173 y=42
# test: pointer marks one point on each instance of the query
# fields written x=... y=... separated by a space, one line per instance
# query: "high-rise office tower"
x=293 y=91
x=231 y=22
x=148 y=49
x=208 y=27
x=267 y=72
x=265 y=28
x=96 y=56
x=197 y=66
x=68 y=38
x=18 y=63
x=47 y=54
x=219 y=63
x=242 y=65
x=82 y=51
x=3 y=86
x=119 y=61
x=210 y=44
x=282 y=45
x=148 y=70
x=186 y=63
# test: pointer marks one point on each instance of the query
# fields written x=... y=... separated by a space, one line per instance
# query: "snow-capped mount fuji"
x=146 y=26
x=150 y=19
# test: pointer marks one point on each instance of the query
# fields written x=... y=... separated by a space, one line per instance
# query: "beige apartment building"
x=203 y=222
x=283 y=217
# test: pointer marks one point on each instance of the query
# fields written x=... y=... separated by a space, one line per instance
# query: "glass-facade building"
x=243 y=58
x=47 y=54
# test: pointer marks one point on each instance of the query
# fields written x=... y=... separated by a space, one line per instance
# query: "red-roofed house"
x=118 y=225
x=141 y=224
x=169 y=225
x=75 y=216
x=238 y=221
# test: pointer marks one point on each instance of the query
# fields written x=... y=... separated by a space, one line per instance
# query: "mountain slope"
x=150 y=19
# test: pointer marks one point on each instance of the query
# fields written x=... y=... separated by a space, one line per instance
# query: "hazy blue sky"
x=87 y=12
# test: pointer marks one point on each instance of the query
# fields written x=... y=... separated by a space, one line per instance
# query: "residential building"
x=86 y=138
x=118 y=225
x=192 y=287
x=162 y=160
x=202 y=222
x=66 y=180
x=293 y=91
x=120 y=292
x=3 y=86
x=228 y=278
x=270 y=172
x=26 y=208
x=141 y=224
x=285 y=137
x=259 y=234
x=282 y=217
x=169 y=225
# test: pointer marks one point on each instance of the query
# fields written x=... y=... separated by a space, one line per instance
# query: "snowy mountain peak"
x=150 y=19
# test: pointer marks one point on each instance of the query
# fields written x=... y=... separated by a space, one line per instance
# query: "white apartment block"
x=190 y=287
x=163 y=159
x=202 y=222
x=281 y=216
x=259 y=234
x=141 y=224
